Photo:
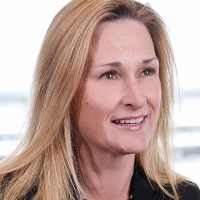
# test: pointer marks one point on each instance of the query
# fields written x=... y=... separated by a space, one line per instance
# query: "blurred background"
x=23 y=26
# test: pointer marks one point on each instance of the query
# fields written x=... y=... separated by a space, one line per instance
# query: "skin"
x=122 y=84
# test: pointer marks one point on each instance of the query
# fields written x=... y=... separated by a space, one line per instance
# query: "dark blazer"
x=141 y=189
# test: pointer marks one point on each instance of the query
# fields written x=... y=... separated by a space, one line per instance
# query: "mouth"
x=130 y=124
x=128 y=121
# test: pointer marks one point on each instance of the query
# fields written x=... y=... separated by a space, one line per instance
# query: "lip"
x=130 y=127
x=130 y=117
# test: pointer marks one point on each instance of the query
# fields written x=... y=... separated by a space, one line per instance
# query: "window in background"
x=23 y=26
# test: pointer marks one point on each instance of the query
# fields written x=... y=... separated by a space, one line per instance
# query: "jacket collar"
x=141 y=188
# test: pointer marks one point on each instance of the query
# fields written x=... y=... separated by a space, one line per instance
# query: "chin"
x=133 y=148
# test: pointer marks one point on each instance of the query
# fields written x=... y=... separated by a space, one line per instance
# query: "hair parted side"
x=45 y=158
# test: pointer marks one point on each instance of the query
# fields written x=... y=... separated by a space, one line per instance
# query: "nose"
x=133 y=96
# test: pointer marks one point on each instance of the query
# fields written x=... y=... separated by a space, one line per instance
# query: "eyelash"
x=108 y=75
x=148 y=72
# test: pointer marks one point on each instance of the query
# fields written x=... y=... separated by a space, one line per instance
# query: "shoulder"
x=5 y=183
x=142 y=188
x=188 y=191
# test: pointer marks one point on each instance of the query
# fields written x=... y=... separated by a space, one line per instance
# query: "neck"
x=106 y=176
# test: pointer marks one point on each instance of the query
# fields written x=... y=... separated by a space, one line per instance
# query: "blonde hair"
x=45 y=159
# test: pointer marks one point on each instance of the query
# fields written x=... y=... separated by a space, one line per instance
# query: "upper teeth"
x=130 y=121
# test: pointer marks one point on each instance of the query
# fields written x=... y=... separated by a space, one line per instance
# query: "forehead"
x=119 y=28
x=113 y=38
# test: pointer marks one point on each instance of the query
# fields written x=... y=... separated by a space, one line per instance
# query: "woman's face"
x=120 y=97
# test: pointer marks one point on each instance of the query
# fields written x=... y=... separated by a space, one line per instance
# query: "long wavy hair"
x=45 y=159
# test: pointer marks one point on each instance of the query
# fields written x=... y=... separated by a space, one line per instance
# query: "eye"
x=148 y=72
x=112 y=75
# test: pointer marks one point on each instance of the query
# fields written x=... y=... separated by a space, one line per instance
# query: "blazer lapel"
x=141 y=189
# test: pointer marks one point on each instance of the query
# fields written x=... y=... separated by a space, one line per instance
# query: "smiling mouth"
x=128 y=121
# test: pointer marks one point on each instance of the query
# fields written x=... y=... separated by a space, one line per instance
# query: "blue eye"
x=112 y=75
x=148 y=72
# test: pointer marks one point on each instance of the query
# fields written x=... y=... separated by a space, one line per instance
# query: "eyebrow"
x=146 y=61
x=118 y=64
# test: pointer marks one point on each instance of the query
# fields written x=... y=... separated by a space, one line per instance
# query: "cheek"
x=89 y=111
x=152 y=91
x=156 y=100
x=158 y=91
x=156 y=94
x=153 y=97
x=91 y=122
x=97 y=100
x=95 y=107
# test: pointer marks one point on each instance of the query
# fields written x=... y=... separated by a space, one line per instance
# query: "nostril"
x=133 y=95
x=136 y=103
x=129 y=105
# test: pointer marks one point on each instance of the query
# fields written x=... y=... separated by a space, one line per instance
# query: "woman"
x=100 y=122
